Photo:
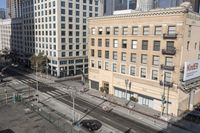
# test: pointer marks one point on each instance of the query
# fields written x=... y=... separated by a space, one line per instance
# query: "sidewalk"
x=140 y=113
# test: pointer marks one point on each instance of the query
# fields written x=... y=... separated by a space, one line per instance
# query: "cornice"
x=154 y=12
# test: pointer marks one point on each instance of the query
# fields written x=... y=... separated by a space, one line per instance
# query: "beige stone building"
x=132 y=54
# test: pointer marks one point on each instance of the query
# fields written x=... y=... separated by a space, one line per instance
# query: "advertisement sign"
x=191 y=70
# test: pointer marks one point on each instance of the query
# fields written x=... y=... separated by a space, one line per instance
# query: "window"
x=92 y=52
x=188 y=45
x=107 y=42
x=172 y=30
x=189 y=30
x=154 y=75
x=92 y=41
x=114 y=67
x=123 y=56
x=115 y=43
x=99 y=64
x=114 y=55
x=124 y=43
x=99 y=53
x=106 y=65
x=168 y=77
x=198 y=56
x=145 y=30
x=99 y=42
x=100 y=31
x=143 y=73
x=124 y=30
x=93 y=31
x=133 y=44
x=144 y=45
x=169 y=61
x=107 y=30
x=144 y=59
x=133 y=57
x=123 y=69
x=62 y=4
x=135 y=30
x=107 y=54
x=158 y=30
x=156 y=46
x=156 y=60
x=92 y=63
x=132 y=70
x=63 y=54
x=116 y=30
x=170 y=45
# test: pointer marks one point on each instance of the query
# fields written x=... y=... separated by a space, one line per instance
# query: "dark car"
x=91 y=125
x=7 y=131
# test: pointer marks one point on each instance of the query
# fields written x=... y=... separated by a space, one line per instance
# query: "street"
x=119 y=122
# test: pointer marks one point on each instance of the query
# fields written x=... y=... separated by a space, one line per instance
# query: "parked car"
x=7 y=131
x=91 y=125
x=193 y=116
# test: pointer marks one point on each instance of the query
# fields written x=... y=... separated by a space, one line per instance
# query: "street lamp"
x=37 y=93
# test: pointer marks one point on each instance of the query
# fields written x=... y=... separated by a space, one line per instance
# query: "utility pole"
x=47 y=67
x=126 y=83
x=163 y=95
x=37 y=93
x=6 y=96
x=73 y=96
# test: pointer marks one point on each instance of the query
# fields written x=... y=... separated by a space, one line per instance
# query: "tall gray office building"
x=114 y=5
x=173 y=3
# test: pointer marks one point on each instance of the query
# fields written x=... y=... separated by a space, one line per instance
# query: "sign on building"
x=191 y=70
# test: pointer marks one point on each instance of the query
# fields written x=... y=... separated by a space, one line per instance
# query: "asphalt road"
x=117 y=121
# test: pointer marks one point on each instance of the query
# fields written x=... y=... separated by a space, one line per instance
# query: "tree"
x=134 y=99
x=39 y=61
x=5 y=55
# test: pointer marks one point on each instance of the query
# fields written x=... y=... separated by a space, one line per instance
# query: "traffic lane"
x=41 y=86
x=112 y=119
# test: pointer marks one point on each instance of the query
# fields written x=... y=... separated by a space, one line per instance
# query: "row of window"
x=132 y=70
x=134 y=30
x=134 y=44
x=133 y=57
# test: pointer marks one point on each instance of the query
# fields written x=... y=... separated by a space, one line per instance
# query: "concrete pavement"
x=137 y=113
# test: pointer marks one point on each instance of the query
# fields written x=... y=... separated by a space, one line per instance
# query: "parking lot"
x=21 y=120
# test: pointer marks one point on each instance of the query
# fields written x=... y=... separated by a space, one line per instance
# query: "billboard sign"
x=191 y=70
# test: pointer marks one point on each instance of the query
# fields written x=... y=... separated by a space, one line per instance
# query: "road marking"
x=106 y=118
x=24 y=81
x=47 y=95
x=59 y=91
x=56 y=93
x=32 y=80
x=52 y=94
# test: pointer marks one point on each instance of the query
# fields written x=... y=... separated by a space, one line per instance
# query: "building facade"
x=2 y=13
x=61 y=33
x=141 y=54
x=113 y=5
x=14 y=8
x=173 y=3
x=5 y=33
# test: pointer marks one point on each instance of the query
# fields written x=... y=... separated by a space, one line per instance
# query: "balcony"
x=171 y=51
x=166 y=84
x=170 y=36
x=169 y=68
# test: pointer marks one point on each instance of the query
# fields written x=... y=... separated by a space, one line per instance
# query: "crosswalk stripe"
x=20 y=82
x=55 y=93
x=51 y=94
x=47 y=95
x=24 y=81
x=32 y=80
x=61 y=92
